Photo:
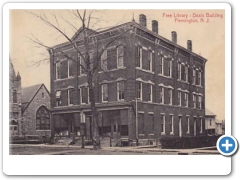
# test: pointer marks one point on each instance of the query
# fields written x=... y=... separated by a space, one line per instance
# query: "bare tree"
x=85 y=18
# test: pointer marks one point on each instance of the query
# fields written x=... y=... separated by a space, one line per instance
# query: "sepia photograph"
x=132 y=84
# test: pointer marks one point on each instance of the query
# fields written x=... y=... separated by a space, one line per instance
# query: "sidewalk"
x=136 y=149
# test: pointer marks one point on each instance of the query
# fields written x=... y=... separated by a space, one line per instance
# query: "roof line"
x=34 y=96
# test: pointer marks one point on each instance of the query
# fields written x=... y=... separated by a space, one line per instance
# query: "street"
x=42 y=149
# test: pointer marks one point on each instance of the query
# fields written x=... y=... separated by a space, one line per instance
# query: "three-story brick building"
x=146 y=85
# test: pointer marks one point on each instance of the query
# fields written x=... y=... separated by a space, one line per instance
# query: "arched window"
x=14 y=96
x=42 y=119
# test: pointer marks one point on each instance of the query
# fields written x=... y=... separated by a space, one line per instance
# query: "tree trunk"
x=95 y=137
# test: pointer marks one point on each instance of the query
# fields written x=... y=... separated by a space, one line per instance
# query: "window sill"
x=82 y=75
x=56 y=80
x=168 y=77
x=115 y=69
x=183 y=81
x=163 y=133
x=200 y=86
x=144 y=70
x=171 y=133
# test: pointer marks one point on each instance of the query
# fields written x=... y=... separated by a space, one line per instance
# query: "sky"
x=208 y=39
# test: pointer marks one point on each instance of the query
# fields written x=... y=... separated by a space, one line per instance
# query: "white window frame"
x=69 y=97
x=102 y=92
x=58 y=98
x=170 y=68
x=179 y=98
x=69 y=68
x=170 y=97
x=194 y=101
x=179 y=71
x=162 y=67
x=163 y=131
x=81 y=99
x=150 y=60
x=186 y=99
x=188 y=124
x=194 y=76
x=186 y=71
x=118 y=66
x=172 y=124
x=80 y=64
x=118 y=90
x=140 y=91
x=58 y=63
x=104 y=59
x=199 y=78
x=150 y=92
x=200 y=102
x=140 y=56
x=201 y=125
x=162 y=88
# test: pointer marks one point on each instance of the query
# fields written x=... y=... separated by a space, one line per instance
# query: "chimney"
x=189 y=45
x=142 y=20
x=155 y=26
x=174 y=37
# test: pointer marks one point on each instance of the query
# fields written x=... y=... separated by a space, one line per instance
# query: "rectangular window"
x=120 y=57
x=70 y=96
x=58 y=98
x=120 y=90
x=139 y=90
x=188 y=125
x=84 y=95
x=161 y=95
x=70 y=68
x=162 y=123
x=170 y=96
x=179 y=98
x=183 y=73
x=179 y=71
x=210 y=122
x=81 y=65
x=194 y=101
x=169 y=68
x=150 y=56
x=171 y=123
x=58 y=65
x=194 y=76
x=161 y=65
x=104 y=92
x=200 y=102
x=199 y=78
x=139 y=57
x=104 y=60
x=201 y=125
x=186 y=71
x=149 y=91
x=186 y=99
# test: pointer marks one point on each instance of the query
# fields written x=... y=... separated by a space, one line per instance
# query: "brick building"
x=146 y=86
x=15 y=113
x=35 y=110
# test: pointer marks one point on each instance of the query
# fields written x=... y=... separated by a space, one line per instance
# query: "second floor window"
x=70 y=68
x=120 y=56
x=186 y=99
x=70 y=97
x=200 y=102
x=104 y=92
x=57 y=69
x=171 y=124
x=194 y=101
x=162 y=124
x=120 y=90
x=84 y=95
x=170 y=96
x=81 y=65
x=139 y=57
x=58 y=98
x=161 y=95
x=149 y=91
x=139 y=90
x=188 y=124
x=150 y=60
x=194 y=76
x=167 y=67
x=199 y=78
x=179 y=71
x=179 y=98
x=161 y=66
x=104 y=60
